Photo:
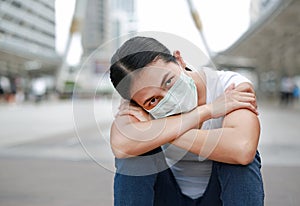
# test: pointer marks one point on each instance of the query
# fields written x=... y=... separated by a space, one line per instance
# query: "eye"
x=169 y=82
x=153 y=101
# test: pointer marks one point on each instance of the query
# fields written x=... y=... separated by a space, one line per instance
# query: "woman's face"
x=150 y=84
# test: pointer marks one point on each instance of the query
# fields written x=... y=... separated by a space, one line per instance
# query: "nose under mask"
x=182 y=97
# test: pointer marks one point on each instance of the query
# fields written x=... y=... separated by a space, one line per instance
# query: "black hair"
x=133 y=55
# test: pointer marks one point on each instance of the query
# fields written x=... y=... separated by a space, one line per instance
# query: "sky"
x=223 y=22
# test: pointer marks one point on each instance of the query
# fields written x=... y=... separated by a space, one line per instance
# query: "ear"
x=179 y=58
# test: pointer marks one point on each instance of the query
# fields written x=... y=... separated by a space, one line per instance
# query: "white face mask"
x=182 y=97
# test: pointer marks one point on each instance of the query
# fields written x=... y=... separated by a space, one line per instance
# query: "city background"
x=54 y=142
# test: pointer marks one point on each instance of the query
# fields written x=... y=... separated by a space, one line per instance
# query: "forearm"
x=235 y=143
x=217 y=144
x=132 y=138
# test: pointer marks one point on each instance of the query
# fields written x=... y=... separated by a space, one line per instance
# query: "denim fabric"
x=241 y=185
x=229 y=185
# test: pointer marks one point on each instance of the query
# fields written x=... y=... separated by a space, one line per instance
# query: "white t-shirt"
x=191 y=171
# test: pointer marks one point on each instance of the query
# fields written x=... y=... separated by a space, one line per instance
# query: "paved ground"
x=50 y=182
x=45 y=161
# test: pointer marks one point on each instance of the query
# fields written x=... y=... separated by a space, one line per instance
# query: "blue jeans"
x=229 y=185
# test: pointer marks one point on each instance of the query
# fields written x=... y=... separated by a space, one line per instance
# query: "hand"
x=246 y=87
x=232 y=100
x=128 y=108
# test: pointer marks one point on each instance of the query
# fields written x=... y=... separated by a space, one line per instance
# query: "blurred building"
x=270 y=47
x=96 y=25
x=124 y=19
x=105 y=20
x=260 y=7
x=27 y=39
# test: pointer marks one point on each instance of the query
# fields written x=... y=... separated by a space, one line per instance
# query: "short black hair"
x=135 y=54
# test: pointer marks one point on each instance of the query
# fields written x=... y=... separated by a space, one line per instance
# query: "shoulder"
x=229 y=77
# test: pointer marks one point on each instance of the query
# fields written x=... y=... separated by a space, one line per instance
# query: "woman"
x=209 y=137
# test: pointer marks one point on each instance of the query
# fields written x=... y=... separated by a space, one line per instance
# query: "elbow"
x=245 y=159
x=246 y=154
x=119 y=150
x=120 y=154
x=117 y=144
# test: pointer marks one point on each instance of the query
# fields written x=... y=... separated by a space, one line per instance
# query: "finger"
x=245 y=99
x=250 y=107
x=245 y=88
x=237 y=93
x=122 y=101
x=135 y=108
x=126 y=105
x=240 y=96
x=244 y=94
x=128 y=112
x=134 y=114
x=123 y=105
x=140 y=118
x=231 y=87
x=131 y=113
x=124 y=112
x=254 y=103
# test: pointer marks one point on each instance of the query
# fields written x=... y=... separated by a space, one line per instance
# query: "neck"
x=200 y=81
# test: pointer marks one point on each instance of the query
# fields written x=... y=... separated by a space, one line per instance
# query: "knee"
x=240 y=173
x=126 y=182
x=254 y=164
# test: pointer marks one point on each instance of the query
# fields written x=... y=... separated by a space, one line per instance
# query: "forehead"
x=152 y=75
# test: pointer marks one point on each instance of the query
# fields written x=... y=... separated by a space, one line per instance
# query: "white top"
x=191 y=171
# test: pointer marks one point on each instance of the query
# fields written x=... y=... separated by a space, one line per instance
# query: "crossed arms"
x=133 y=132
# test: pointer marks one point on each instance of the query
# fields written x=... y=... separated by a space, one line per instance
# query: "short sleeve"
x=229 y=77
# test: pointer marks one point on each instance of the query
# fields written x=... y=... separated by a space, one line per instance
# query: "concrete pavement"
x=36 y=182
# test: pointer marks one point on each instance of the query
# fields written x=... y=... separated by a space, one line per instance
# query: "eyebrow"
x=161 y=84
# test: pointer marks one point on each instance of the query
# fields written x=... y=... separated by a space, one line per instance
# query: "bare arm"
x=235 y=143
x=134 y=133
x=131 y=137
